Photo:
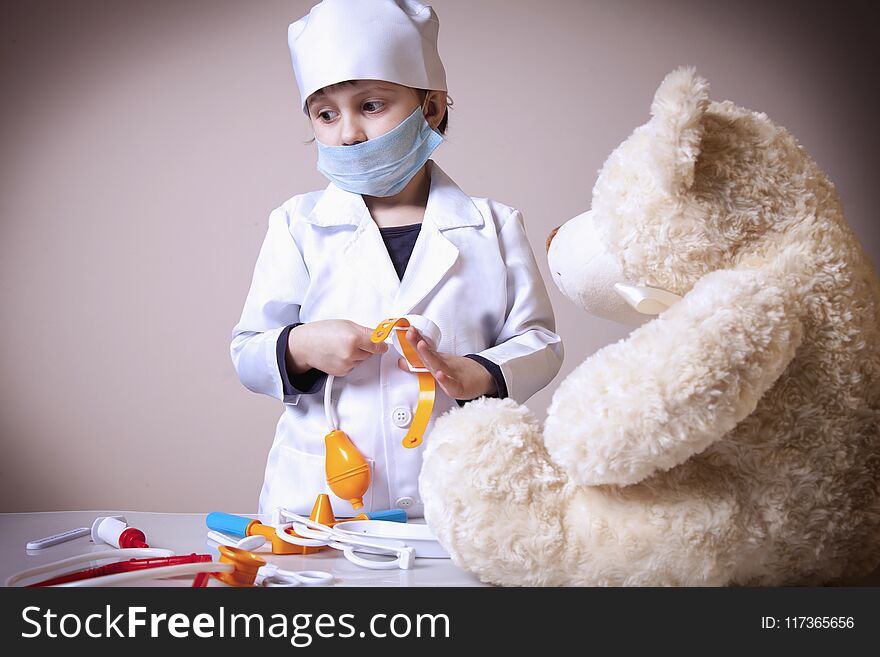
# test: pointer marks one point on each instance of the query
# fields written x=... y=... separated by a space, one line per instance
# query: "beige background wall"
x=144 y=144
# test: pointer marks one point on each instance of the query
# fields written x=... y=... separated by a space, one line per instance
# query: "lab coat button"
x=401 y=416
x=404 y=502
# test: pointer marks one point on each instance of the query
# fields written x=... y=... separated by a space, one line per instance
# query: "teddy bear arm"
x=675 y=385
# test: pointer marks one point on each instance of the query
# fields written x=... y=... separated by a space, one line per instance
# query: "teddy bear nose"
x=551 y=236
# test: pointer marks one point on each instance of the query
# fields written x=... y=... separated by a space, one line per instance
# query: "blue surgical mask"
x=384 y=165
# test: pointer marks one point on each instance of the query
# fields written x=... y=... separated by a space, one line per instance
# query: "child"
x=391 y=235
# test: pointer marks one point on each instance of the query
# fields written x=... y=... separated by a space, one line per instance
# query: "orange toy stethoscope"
x=348 y=473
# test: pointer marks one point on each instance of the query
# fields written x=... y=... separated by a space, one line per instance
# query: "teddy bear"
x=733 y=437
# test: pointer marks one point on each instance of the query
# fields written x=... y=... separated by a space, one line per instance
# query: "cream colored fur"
x=735 y=438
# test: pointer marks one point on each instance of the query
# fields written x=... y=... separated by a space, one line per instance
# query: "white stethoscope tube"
x=329 y=411
x=115 y=555
x=268 y=575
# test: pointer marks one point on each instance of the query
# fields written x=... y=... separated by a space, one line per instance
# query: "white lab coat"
x=472 y=272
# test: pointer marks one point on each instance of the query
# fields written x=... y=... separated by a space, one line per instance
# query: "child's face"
x=351 y=113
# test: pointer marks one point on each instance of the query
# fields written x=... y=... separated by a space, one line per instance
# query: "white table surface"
x=185 y=533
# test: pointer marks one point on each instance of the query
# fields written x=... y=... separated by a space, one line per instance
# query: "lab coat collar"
x=447 y=207
x=433 y=254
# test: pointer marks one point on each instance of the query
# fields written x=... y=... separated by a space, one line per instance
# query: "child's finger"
x=423 y=346
x=365 y=343
x=415 y=336
x=431 y=363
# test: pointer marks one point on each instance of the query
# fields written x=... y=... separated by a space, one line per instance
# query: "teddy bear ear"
x=677 y=128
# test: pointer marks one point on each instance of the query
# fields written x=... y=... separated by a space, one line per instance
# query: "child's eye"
x=322 y=115
x=369 y=103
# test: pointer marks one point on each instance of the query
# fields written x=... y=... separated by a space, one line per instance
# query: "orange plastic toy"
x=348 y=473
x=427 y=389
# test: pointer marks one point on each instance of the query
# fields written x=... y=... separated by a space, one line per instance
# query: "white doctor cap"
x=391 y=40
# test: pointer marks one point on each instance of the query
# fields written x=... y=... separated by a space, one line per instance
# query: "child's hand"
x=335 y=346
x=460 y=377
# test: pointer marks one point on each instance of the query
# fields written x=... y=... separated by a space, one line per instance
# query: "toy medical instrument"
x=241 y=527
x=391 y=515
x=396 y=327
x=645 y=299
x=308 y=532
x=55 y=539
x=242 y=568
x=322 y=512
x=235 y=568
x=123 y=567
x=249 y=543
x=113 y=531
x=249 y=569
x=348 y=473
x=272 y=575
x=228 y=529
x=416 y=536
x=102 y=555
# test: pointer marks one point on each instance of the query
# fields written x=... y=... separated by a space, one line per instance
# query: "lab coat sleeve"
x=273 y=302
x=527 y=349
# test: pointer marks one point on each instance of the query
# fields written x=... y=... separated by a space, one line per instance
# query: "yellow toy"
x=348 y=473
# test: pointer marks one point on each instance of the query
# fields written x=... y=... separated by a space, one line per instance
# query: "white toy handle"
x=325 y=535
x=300 y=539
x=426 y=328
x=429 y=330
x=646 y=300
x=395 y=563
x=65 y=565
